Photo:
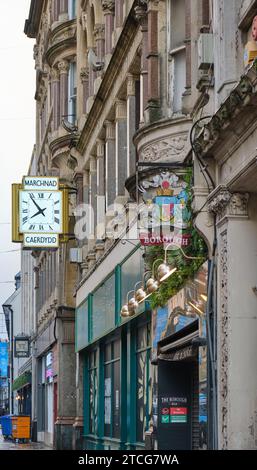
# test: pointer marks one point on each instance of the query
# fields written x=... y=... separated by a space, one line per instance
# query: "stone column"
x=131 y=125
x=63 y=67
x=188 y=45
x=55 y=81
x=110 y=170
x=66 y=389
x=99 y=33
x=55 y=10
x=100 y=152
x=77 y=438
x=236 y=217
x=153 y=65
x=86 y=200
x=63 y=15
x=141 y=16
x=85 y=84
x=93 y=193
x=108 y=9
x=118 y=13
x=121 y=146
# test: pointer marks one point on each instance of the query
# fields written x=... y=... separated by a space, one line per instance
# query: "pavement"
x=11 y=445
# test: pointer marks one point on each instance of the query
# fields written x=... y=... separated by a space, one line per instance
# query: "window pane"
x=93 y=391
x=142 y=408
x=116 y=349
x=82 y=326
x=131 y=272
x=104 y=308
x=108 y=352
x=110 y=302
x=116 y=399
x=107 y=399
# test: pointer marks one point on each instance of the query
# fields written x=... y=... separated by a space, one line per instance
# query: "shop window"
x=177 y=54
x=103 y=315
x=143 y=348
x=93 y=392
x=82 y=326
x=112 y=390
x=131 y=272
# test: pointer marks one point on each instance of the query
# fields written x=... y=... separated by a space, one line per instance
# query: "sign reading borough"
x=39 y=212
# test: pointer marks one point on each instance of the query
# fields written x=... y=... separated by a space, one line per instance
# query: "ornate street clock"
x=40 y=212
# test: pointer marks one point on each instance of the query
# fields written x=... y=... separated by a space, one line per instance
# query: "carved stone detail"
x=131 y=82
x=238 y=205
x=220 y=201
x=108 y=7
x=165 y=149
x=84 y=74
x=140 y=12
x=224 y=338
x=36 y=56
x=244 y=5
x=225 y=203
x=63 y=66
x=99 y=31
x=55 y=74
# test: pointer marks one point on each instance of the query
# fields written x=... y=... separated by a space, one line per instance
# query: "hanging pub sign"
x=21 y=346
x=166 y=214
x=39 y=212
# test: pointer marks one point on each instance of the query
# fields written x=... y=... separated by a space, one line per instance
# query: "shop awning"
x=22 y=381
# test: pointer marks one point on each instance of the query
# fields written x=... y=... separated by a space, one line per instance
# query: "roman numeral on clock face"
x=24 y=220
x=32 y=227
x=57 y=221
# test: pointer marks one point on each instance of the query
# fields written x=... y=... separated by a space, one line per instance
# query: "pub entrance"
x=178 y=426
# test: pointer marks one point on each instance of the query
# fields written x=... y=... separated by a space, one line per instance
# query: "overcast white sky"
x=17 y=124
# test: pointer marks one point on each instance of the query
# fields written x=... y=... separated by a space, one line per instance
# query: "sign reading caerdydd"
x=39 y=240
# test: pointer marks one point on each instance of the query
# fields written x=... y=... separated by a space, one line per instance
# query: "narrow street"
x=11 y=445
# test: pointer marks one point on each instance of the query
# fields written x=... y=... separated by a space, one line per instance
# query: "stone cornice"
x=32 y=23
x=111 y=74
x=232 y=118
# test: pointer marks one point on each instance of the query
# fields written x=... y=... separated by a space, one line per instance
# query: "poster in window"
x=107 y=387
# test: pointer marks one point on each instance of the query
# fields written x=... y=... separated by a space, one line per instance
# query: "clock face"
x=40 y=212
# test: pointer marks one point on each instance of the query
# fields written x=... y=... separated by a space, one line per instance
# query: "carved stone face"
x=254 y=29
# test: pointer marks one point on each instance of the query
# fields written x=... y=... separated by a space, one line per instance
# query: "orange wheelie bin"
x=21 y=428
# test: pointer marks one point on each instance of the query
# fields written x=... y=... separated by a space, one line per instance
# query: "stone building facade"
x=53 y=25
x=119 y=84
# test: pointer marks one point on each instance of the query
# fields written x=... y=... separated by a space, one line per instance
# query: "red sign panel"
x=178 y=411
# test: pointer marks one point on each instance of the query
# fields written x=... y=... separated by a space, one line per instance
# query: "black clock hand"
x=37 y=206
x=39 y=212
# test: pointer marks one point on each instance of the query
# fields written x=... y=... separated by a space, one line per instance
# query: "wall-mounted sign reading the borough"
x=168 y=216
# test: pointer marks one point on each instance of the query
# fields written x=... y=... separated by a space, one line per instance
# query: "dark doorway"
x=175 y=383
